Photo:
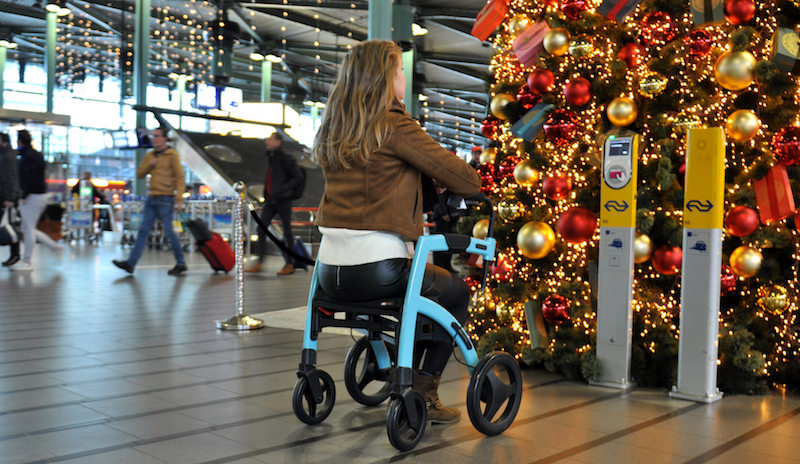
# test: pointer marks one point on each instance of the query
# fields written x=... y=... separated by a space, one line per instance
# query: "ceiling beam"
x=311 y=22
x=96 y=18
x=20 y=11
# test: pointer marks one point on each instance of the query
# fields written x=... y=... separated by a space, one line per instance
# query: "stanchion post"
x=240 y=321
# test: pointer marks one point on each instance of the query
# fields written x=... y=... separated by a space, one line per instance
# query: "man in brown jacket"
x=166 y=195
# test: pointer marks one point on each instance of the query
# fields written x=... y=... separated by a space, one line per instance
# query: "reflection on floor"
x=101 y=367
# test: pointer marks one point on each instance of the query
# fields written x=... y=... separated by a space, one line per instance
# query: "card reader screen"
x=621 y=148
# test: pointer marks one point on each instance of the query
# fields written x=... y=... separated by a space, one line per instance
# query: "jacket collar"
x=397 y=104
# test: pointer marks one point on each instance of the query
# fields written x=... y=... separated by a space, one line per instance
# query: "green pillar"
x=182 y=78
x=314 y=116
x=141 y=56
x=380 y=20
x=50 y=58
x=411 y=101
x=3 y=54
x=266 y=81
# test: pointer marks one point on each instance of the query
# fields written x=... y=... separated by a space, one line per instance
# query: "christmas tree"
x=565 y=76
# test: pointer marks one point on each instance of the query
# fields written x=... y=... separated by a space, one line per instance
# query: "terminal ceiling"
x=312 y=36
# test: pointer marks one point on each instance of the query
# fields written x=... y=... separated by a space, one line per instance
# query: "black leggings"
x=389 y=278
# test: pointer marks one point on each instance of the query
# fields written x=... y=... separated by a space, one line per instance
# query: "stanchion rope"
x=278 y=241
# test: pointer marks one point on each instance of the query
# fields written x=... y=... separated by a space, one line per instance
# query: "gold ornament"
x=488 y=155
x=773 y=299
x=742 y=125
x=746 y=261
x=642 y=248
x=525 y=174
x=556 y=41
x=581 y=47
x=652 y=85
x=518 y=24
x=622 y=111
x=481 y=229
x=536 y=239
x=510 y=209
x=734 y=70
x=500 y=103
x=684 y=121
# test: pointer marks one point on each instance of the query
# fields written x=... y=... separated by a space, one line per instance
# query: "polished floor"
x=97 y=366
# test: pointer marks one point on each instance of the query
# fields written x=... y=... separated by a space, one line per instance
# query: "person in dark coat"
x=445 y=216
x=9 y=187
x=283 y=175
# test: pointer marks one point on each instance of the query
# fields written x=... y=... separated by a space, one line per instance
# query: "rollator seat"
x=374 y=316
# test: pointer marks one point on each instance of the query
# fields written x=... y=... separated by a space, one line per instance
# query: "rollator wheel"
x=364 y=380
x=303 y=404
x=403 y=433
x=494 y=393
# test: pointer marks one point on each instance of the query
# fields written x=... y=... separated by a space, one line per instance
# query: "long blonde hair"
x=356 y=119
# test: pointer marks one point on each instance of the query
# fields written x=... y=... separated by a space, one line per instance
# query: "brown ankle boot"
x=428 y=387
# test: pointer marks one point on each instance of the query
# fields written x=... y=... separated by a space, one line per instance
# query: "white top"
x=350 y=247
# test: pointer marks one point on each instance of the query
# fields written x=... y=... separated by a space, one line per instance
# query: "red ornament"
x=739 y=11
x=505 y=170
x=578 y=91
x=741 y=221
x=797 y=220
x=502 y=270
x=473 y=281
x=699 y=42
x=631 y=55
x=526 y=98
x=573 y=8
x=682 y=174
x=541 y=80
x=667 y=259
x=486 y=173
x=577 y=224
x=557 y=187
x=786 y=146
x=727 y=280
x=555 y=309
x=657 y=28
x=561 y=126
x=490 y=127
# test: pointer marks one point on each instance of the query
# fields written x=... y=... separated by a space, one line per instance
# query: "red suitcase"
x=218 y=253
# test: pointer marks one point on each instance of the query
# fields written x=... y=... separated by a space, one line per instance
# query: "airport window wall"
x=95 y=109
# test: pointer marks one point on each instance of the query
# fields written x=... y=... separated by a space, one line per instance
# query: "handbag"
x=8 y=234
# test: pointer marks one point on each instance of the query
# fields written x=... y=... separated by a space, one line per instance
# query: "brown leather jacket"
x=386 y=194
x=166 y=177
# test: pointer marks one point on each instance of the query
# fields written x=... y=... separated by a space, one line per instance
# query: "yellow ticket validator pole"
x=615 y=259
x=703 y=211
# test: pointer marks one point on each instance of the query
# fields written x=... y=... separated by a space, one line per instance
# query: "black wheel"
x=305 y=408
x=404 y=434
x=494 y=393
x=364 y=380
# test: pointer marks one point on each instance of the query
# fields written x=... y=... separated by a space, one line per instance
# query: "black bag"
x=8 y=232
x=300 y=249
x=297 y=193
x=199 y=229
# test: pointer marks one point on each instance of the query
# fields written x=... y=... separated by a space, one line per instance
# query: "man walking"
x=166 y=195
x=283 y=175
x=9 y=187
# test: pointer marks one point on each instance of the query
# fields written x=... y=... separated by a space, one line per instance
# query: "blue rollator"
x=379 y=364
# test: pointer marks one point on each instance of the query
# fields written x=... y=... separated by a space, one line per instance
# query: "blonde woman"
x=374 y=156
